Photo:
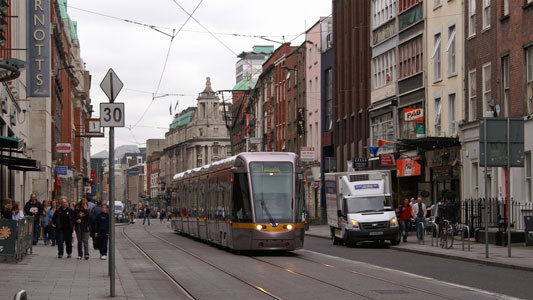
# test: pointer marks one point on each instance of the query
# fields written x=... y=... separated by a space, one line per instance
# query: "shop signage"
x=8 y=229
x=307 y=153
x=420 y=130
x=68 y=175
x=443 y=172
x=414 y=114
x=387 y=160
x=38 y=24
x=360 y=163
x=61 y=170
x=63 y=148
x=408 y=167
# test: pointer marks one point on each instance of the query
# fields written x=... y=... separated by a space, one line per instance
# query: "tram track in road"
x=185 y=291
x=246 y=282
x=264 y=262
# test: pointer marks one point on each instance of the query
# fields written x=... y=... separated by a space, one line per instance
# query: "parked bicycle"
x=446 y=234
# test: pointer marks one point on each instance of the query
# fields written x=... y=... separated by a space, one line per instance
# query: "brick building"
x=295 y=100
x=270 y=89
x=498 y=83
x=351 y=38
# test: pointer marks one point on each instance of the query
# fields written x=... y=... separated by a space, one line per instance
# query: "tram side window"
x=242 y=211
x=300 y=199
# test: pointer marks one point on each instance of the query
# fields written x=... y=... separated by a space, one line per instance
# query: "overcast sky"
x=137 y=53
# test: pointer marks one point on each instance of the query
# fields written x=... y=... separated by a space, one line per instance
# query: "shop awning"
x=20 y=164
x=428 y=143
x=10 y=143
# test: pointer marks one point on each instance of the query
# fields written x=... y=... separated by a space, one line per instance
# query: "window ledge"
x=452 y=75
x=437 y=7
x=485 y=29
x=471 y=37
x=437 y=80
x=506 y=17
x=528 y=5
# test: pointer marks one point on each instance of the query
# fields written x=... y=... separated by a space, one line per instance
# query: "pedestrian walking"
x=162 y=217
x=169 y=215
x=63 y=221
x=34 y=208
x=83 y=228
x=404 y=212
x=7 y=210
x=413 y=202
x=147 y=212
x=94 y=212
x=50 y=227
x=102 y=230
x=46 y=207
x=419 y=213
x=17 y=212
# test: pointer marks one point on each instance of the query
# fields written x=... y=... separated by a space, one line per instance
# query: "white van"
x=359 y=207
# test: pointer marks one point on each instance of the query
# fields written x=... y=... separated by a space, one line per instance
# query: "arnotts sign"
x=38 y=24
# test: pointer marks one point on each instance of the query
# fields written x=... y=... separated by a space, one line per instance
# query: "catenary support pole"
x=112 y=201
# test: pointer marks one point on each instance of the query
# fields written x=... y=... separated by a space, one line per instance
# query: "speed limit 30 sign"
x=112 y=114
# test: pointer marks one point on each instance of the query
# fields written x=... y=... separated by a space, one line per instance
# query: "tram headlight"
x=259 y=227
x=289 y=227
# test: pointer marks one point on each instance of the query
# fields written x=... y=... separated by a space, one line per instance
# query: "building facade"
x=498 y=83
x=351 y=37
x=198 y=135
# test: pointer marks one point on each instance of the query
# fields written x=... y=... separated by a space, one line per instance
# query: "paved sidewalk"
x=44 y=276
x=522 y=257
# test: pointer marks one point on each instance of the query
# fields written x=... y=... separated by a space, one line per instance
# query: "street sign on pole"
x=111 y=85
x=63 y=148
x=112 y=114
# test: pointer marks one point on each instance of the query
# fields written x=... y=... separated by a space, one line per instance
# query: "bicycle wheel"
x=442 y=240
x=449 y=237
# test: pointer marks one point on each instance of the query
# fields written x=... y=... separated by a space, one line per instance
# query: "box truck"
x=360 y=207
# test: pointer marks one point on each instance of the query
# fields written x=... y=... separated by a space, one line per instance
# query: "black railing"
x=473 y=213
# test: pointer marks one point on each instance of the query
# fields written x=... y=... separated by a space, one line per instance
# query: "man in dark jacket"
x=102 y=230
x=35 y=209
x=63 y=221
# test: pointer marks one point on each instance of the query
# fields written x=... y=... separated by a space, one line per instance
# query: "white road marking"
x=433 y=280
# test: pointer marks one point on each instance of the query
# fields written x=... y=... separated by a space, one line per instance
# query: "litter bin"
x=528 y=221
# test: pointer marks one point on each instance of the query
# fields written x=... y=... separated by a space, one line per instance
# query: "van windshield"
x=368 y=204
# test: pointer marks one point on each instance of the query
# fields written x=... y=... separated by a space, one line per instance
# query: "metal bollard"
x=21 y=295
x=464 y=226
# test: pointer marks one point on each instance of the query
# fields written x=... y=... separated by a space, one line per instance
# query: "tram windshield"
x=272 y=189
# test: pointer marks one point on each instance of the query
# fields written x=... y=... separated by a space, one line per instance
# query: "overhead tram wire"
x=153 y=27
x=165 y=64
x=211 y=33
x=158 y=28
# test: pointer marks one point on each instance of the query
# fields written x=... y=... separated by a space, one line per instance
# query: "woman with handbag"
x=50 y=227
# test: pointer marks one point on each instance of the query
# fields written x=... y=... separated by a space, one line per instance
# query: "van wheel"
x=396 y=241
x=379 y=243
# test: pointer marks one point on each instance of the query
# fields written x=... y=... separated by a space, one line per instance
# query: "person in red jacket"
x=405 y=218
